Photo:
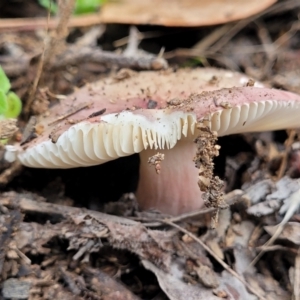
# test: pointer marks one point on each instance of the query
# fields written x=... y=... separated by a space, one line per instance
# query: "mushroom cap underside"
x=114 y=135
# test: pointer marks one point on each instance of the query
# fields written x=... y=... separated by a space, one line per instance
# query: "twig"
x=32 y=90
x=269 y=48
x=12 y=199
x=212 y=38
x=66 y=9
x=296 y=289
x=280 y=7
x=85 y=50
x=293 y=206
x=91 y=36
x=288 y=145
x=73 y=111
x=229 y=199
x=141 y=36
x=32 y=24
x=68 y=278
x=73 y=55
x=50 y=48
x=7 y=175
x=133 y=42
x=233 y=30
x=132 y=57
x=9 y=224
x=97 y=113
x=276 y=248
x=282 y=39
x=219 y=260
x=15 y=64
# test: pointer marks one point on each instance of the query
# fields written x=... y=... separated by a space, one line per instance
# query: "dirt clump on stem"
x=210 y=185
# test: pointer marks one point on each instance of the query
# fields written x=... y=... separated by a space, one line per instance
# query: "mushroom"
x=155 y=111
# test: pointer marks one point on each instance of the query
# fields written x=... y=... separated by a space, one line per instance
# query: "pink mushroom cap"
x=156 y=111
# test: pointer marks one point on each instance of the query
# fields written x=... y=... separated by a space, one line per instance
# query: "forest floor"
x=79 y=233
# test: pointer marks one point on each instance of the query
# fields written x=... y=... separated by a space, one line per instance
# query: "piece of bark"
x=107 y=286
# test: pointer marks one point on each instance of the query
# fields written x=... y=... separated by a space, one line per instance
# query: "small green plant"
x=81 y=7
x=10 y=103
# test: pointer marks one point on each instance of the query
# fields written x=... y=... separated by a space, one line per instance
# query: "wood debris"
x=29 y=131
x=72 y=112
x=97 y=113
x=7 y=128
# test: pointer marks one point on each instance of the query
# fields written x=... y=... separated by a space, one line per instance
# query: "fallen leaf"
x=258 y=191
x=177 y=289
x=291 y=232
x=234 y=288
x=180 y=12
x=207 y=276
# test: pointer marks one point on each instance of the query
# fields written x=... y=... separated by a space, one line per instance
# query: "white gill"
x=87 y=144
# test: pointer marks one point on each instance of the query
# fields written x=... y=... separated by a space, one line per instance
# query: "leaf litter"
x=49 y=248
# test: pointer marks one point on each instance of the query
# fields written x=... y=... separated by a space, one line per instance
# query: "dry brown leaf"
x=271 y=287
x=175 y=288
x=181 y=12
x=259 y=190
x=264 y=208
x=7 y=128
x=234 y=288
x=281 y=192
x=152 y=245
x=207 y=276
x=291 y=232
x=109 y=288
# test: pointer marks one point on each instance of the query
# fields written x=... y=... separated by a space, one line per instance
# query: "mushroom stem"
x=175 y=190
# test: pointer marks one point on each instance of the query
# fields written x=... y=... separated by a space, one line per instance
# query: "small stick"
x=293 y=206
x=231 y=198
x=288 y=144
x=8 y=174
x=50 y=49
x=33 y=24
x=141 y=61
x=97 y=113
x=73 y=111
x=296 y=289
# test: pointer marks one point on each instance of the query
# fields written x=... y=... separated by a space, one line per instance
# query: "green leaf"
x=87 y=6
x=81 y=6
x=50 y=5
x=4 y=81
x=3 y=103
x=14 y=105
x=4 y=141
